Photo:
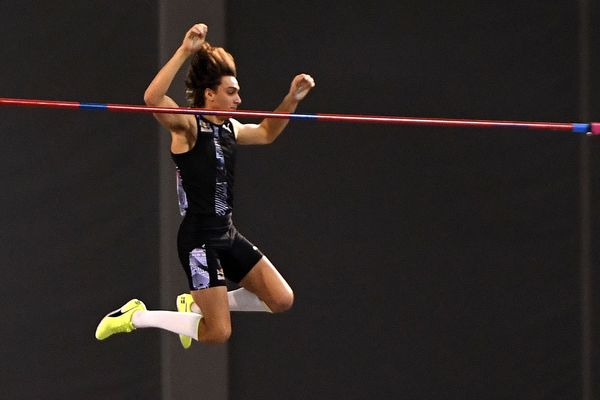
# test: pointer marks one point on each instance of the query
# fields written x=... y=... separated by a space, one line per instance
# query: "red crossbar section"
x=593 y=128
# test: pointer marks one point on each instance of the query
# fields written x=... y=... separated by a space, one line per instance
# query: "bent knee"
x=282 y=303
x=215 y=335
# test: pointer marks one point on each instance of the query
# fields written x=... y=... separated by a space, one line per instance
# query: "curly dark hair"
x=207 y=66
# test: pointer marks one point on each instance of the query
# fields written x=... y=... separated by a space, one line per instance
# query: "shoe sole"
x=183 y=308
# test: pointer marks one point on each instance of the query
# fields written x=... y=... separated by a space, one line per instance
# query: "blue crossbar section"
x=93 y=106
x=581 y=128
x=304 y=116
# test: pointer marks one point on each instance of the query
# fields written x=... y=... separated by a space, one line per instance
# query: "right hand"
x=194 y=38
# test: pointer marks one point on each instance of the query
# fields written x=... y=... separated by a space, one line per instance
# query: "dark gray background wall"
x=79 y=200
x=427 y=263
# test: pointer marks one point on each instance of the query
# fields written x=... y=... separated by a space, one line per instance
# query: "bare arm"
x=156 y=93
x=268 y=130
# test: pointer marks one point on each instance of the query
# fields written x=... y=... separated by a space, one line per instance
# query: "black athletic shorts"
x=211 y=249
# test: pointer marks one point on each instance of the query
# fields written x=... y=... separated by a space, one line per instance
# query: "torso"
x=205 y=160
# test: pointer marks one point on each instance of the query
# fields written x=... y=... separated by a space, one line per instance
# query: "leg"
x=268 y=284
x=134 y=315
x=215 y=325
x=263 y=289
x=208 y=290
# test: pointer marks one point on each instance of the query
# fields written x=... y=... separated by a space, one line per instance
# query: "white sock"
x=244 y=300
x=176 y=322
x=241 y=300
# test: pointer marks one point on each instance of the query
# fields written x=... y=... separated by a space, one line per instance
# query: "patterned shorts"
x=209 y=254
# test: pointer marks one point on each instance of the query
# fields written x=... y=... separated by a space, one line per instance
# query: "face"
x=227 y=95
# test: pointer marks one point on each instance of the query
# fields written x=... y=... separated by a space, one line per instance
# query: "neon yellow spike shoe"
x=119 y=321
x=184 y=304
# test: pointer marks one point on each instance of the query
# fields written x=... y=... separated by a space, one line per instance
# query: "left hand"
x=301 y=85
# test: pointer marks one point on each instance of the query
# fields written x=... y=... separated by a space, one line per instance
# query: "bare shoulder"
x=183 y=138
x=173 y=122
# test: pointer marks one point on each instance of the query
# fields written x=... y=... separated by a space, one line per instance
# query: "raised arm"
x=268 y=130
x=156 y=93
